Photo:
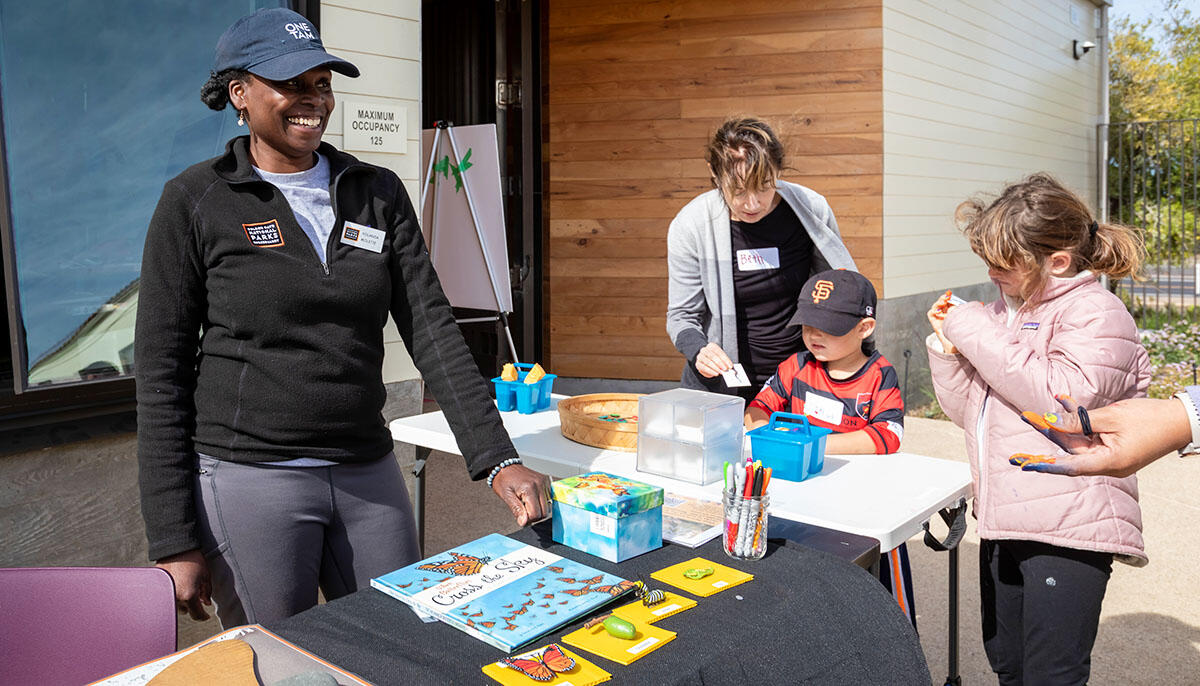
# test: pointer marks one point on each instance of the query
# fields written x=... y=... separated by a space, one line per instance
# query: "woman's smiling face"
x=286 y=118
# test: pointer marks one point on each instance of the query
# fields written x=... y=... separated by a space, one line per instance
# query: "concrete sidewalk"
x=1150 y=627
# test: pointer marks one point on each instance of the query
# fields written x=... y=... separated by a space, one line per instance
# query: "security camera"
x=1080 y=48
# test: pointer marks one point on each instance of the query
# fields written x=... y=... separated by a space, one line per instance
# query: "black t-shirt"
x=771 y=261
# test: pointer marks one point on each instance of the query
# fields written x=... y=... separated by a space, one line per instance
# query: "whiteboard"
x=472 y=266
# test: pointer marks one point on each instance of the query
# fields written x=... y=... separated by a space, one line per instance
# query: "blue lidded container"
x=607 y=516
x=793 y=448
x=525 y=398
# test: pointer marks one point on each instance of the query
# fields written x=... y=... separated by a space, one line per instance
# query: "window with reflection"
x=100 y=107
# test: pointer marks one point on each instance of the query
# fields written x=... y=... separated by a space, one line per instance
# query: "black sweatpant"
x=1041 y=610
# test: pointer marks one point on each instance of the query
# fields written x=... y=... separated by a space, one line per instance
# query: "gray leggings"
x=273 y=535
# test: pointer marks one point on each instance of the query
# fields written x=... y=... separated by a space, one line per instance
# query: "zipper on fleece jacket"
x=335 y=233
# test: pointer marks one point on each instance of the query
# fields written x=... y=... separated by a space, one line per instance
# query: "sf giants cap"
x=276 y=44
x=834 y=301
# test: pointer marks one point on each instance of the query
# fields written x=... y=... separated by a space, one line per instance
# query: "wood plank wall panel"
x=634 y=90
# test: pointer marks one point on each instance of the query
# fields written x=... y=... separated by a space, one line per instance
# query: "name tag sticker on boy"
x=757 y=259
x=736 y=376
x=827 y=410
x=361 y=236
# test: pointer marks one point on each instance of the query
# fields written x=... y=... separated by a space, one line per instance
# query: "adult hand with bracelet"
x=526 y=492
x=1123 y=437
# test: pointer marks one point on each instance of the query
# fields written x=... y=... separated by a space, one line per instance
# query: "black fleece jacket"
x=249 y=349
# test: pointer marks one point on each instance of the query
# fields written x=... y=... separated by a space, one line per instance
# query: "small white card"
x=756 y=259
x=827 y=410
x=640 y=647
x=736 y=376
x=362 y=237
x=602 y=526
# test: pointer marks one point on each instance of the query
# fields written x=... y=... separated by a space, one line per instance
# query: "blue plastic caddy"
x=793 y=448
x=525 y=398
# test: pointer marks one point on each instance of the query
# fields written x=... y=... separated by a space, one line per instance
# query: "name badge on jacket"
x=756 y=259
x=362 y=237
x=827 y=410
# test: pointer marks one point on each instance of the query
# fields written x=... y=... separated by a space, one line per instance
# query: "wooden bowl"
x=579 y=418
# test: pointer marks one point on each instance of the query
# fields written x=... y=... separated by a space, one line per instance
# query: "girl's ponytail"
x=1115 y=249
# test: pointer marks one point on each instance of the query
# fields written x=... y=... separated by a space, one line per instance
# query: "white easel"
x=501 y=315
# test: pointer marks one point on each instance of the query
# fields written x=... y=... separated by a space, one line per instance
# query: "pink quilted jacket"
x=1079 y=340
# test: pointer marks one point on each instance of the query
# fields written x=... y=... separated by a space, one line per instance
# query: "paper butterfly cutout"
x=542 y=667
x=461 y=565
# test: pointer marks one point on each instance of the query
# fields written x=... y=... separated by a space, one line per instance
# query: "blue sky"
x=1140 y=10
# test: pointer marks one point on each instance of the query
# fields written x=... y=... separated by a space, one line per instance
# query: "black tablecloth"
x=807 y=617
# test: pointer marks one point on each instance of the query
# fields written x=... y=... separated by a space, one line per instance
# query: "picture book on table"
x=501 y=591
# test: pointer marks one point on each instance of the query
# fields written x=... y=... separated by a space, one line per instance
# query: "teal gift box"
x=607 y=516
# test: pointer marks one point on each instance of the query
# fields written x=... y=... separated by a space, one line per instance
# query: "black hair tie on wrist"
x=1084 y=421
x=1093 y=228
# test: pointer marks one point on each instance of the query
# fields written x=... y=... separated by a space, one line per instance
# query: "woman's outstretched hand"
x=526 y=492
x=1126 y=436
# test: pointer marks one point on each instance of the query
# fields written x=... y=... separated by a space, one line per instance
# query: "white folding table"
x=886 y=497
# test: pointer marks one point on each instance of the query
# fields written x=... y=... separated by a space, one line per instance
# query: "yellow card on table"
x=722 y=577
x=646 y=639
x=637 y=613
x=582 y=673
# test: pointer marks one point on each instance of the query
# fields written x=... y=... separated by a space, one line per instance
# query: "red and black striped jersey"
x=869 y=401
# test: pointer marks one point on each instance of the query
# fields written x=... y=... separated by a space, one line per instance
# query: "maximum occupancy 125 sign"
x=372 y=127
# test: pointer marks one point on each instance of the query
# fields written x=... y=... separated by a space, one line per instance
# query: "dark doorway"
x=480 y=64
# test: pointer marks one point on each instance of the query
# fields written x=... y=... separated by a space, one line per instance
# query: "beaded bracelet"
x=496 y=470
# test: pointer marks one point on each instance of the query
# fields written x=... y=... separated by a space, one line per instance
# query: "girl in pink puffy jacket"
x=1047 y=542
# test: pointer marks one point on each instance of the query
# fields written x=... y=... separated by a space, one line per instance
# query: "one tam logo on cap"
x=822 y=290
x=300 y=30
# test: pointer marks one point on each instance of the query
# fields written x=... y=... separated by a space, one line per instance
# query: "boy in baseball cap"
x=841 y=382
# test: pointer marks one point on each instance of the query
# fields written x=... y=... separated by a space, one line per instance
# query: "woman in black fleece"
x=268 y=275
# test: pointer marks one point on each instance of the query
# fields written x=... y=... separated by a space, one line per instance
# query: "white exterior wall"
x=977 y=94
x=383 y=39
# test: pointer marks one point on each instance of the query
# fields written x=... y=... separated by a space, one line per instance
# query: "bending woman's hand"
x=193 y=585
x=1126 y=436
x=526 y=492
x=712 y=360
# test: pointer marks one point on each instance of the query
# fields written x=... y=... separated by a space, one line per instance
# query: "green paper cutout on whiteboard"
x=445 y=167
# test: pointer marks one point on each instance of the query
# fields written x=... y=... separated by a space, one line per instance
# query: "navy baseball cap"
x=276 y=44
x=834 y=301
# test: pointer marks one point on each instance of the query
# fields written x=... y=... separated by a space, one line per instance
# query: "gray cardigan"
x=700 y=302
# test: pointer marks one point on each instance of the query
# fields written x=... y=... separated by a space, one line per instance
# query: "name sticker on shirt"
x=757 y=259
x=264 y=234
x=362 y=237
x=827 y=410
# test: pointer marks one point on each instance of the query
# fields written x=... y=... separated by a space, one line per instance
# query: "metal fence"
x=1152 y=182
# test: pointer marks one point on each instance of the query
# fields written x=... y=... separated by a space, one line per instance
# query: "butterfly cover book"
x=501 y=591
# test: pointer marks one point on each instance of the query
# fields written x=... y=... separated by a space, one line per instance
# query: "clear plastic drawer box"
x=689 y=435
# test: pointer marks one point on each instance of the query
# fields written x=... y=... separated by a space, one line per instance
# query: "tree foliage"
x=1154 y=100
x=1154 y=66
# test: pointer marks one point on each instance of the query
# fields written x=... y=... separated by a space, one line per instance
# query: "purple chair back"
x=74 y=625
